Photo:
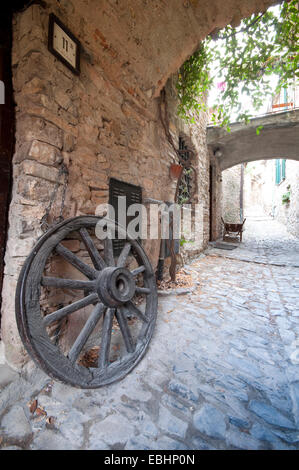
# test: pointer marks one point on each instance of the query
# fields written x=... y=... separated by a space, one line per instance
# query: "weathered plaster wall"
x=259 y=186
x=104 y=123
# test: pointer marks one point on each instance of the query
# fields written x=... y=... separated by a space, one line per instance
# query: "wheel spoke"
x=143 y=290
x=62 y=312
x=124 y=328
x=135 y=311
x=106 y=339
x=108 y=250
x=123 y=255
x=137 y=271
x=67 y=283
x=86 y=332
x=76 y=262
x=98 y=262
x=115 y=329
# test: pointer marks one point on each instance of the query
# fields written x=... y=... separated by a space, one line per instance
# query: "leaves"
x=285 y=199
x=264 y=45
x=258 y=129
x=32 y=406
x=40 y=411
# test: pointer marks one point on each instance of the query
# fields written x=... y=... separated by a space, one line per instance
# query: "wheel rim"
x=109 y=289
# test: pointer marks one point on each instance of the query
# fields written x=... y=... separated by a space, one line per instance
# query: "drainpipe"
x=160 y=267
x=242 y=193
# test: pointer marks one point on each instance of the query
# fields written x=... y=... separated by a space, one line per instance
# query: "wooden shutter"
x=133 y=195
x=283 y=169
x=277 y=171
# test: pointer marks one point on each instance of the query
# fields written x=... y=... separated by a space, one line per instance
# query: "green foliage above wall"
x=261 y=46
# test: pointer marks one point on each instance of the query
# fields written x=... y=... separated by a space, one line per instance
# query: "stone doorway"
x=211 y=202
x=6 y=132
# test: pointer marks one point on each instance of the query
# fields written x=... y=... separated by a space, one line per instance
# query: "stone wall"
x=231 y=187
x=194 y=137
x=263 y=195
x=288 y=214
x=259 y=186
x=216 y=197
x=97 y=125
x=104 y=123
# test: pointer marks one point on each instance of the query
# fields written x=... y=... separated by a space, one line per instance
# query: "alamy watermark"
x=150 y=221
x=2 y=92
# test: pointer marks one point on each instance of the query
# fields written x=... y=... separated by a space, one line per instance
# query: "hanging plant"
x=240 y=60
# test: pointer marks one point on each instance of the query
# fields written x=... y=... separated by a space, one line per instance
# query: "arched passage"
x=279 y=138
x=103 y=123
x=266 y=194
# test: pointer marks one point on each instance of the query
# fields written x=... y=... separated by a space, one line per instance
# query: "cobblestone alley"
x=221 y=372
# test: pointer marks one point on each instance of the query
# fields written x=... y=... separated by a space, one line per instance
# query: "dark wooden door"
x=6 y=131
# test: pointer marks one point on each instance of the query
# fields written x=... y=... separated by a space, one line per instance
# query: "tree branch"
x=243 y=30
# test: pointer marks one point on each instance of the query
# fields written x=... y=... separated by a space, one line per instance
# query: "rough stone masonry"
x=103 y=123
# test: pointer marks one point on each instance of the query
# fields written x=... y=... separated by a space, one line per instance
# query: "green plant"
x=286 y=197
x=184 y=192
x=183 y=241
x=261 y=46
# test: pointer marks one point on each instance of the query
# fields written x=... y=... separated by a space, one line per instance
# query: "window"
x=133 y=195
x=280 y=170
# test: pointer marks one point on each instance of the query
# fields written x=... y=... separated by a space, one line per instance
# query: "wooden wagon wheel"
x=109 y=288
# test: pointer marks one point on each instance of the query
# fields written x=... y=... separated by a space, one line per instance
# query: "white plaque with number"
x=63 y=44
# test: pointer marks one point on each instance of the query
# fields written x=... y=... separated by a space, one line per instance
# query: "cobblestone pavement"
x=221 y=372
x=264 y=241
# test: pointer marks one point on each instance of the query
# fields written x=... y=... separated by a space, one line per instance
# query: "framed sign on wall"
x=63 y=44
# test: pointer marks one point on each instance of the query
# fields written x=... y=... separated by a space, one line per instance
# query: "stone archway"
x=104 y=123
x=155 y=38
x=279 y=138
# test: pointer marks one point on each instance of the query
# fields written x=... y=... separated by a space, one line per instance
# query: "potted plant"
x=286 y=197
x=175 y=170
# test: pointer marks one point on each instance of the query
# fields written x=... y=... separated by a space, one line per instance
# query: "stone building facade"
x=259 y=186
x=104 y=123
x=264 y=188
x=98 y=131
x=264 y=192
x=232 y=194
x=288 y=212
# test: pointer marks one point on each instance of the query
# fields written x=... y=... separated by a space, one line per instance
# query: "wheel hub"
x=104 y=290
x=115 y=286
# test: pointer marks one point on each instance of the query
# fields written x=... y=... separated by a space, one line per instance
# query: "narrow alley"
x=130 y=145
x=221 y=372
x=265 y=240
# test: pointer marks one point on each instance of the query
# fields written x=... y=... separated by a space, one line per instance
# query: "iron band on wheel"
x=109 y=288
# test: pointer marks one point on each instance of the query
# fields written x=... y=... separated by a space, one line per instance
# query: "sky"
x=215 y=92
